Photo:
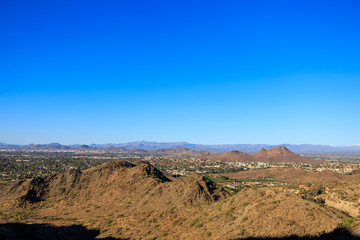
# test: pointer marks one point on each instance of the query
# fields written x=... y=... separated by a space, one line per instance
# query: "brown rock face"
x=280 y=154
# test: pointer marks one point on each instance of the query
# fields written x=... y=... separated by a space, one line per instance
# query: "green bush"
x=347 y=222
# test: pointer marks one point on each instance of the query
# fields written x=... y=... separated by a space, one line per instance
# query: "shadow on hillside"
x=21 y=231
x=338 y=234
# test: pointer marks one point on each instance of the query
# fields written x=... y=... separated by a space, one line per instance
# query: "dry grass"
x=136 y=201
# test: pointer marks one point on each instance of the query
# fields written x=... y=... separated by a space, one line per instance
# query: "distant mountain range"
x=156 y=146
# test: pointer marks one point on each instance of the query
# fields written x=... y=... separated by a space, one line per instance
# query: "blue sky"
x=198 y=71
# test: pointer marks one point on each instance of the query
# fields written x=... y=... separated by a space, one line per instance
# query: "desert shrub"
x=51 y=218
x=244 y=203
x=347 y=222
x=230 y=210
x=195 y=222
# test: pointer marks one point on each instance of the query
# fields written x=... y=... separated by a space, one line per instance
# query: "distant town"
x=22 y=163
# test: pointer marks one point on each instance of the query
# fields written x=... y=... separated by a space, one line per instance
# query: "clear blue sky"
x=197 y=71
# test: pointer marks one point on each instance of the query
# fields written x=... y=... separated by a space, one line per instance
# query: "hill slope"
x=280 y=154
x=276 y=154
x=128 y=200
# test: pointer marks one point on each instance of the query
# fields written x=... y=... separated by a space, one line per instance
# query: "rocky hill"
x=280 y=154
x=276 y=154
x=136 y=201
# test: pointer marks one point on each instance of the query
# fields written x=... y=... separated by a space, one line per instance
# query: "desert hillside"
x=136 y=201
x=277 y=154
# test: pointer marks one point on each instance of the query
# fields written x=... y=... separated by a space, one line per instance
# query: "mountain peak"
x=281 y=148
x=280 y=154
x=276 y=154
